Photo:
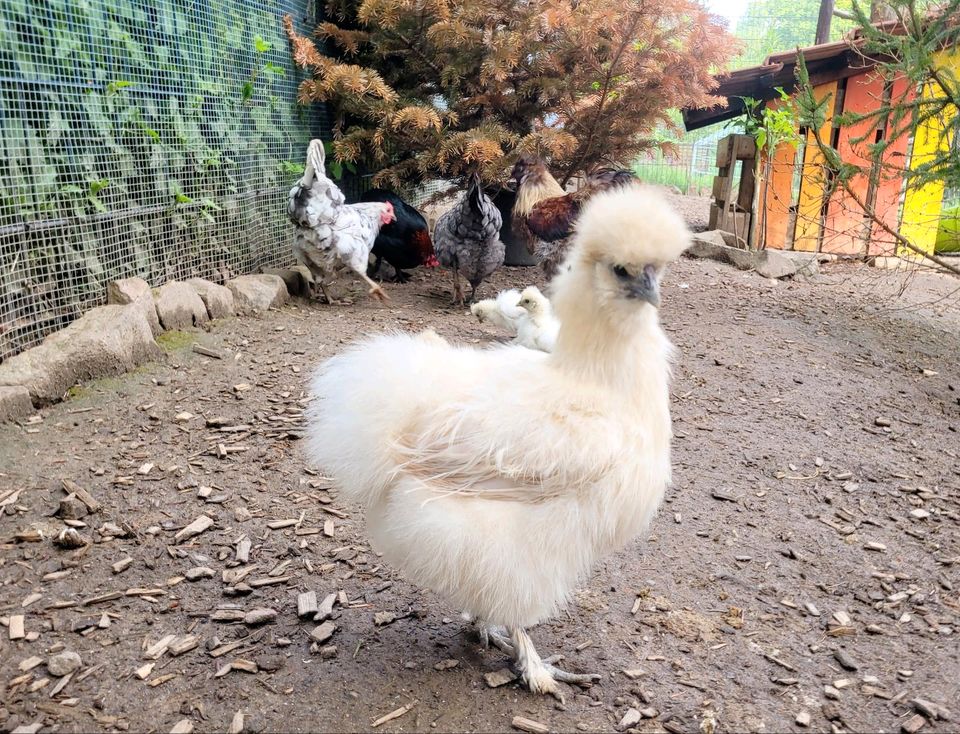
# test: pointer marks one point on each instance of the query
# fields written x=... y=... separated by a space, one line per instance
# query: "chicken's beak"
x=646 y=286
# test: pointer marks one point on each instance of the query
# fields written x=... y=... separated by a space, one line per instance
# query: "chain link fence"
x=156 y=138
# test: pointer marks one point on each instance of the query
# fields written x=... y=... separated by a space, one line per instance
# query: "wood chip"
x=446 y=664
x=529 y=725
x=328 y=528
x=236 y=726
x=914 y=724
x=803 y=718
x=184 y=726
x=381 y=619
x=395 y=714
x=156 y=651
x=224 y=649
x=307 y=604
x=201 y=524
x=323 y=632
x=257 y=583
x=500 y=677
x=325 y=610
x=206 y=351
x=15 y=627
x=630 y=719
x=183 y=644
x=260 y=616
x=874 y=546
x=83 y=495
x=244 y=666
x=281 y=524
x=32 y=599
x=29 y=664
x=634 y=673
x=162 y=679
x=144 y=671
x=122 y=565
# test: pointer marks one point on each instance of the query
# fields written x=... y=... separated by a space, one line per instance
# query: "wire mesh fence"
x=156 y=139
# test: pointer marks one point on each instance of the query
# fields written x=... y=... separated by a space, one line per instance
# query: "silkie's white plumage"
x=503 y=311
x=540 y=328
x=498 y=477
x=330 y=233
x=527 y=316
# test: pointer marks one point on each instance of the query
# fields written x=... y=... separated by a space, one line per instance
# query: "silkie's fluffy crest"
x=631 y=224
x=498 y=477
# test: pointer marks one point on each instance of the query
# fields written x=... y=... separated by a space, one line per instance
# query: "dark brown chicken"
x=552 y=220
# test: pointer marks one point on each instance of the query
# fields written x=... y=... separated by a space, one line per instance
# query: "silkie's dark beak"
x=646 y=286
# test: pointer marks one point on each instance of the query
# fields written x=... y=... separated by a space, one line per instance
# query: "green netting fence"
x=156 y=138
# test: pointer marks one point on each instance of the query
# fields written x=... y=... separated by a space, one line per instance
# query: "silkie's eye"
x=621 y=272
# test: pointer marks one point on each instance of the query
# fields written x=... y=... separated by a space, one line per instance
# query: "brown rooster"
x=534 y=184
x=550 y=220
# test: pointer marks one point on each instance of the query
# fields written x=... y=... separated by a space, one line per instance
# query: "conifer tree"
x=435 y=88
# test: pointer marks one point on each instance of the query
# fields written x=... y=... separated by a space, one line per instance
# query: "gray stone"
x=137 y=292
x=788 y=264
x=14 y=403
x=768 y=263
x=107 y=340
x=297 y=278
x=63 y=664
x=217 y=299
x=258 y=293
x=179 y=306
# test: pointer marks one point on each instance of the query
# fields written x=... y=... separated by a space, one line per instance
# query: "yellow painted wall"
x=921 y=205
x=812 y=186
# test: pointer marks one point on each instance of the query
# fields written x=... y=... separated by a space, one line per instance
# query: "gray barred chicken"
x=332 y=234
x=467 y=239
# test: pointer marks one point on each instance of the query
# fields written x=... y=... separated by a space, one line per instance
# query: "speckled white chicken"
x=332 y=234
x=501 y=483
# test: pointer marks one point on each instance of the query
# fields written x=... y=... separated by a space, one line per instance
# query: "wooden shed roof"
x=826 y=62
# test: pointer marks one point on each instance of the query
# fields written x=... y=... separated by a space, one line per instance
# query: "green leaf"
x=246 y=91
x=261 y=45
x=336 y=170
x=182 y=198
x=272 y=68
x=97 y=186
x=114 y=87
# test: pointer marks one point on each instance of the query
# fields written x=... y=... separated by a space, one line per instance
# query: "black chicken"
x=404 y=243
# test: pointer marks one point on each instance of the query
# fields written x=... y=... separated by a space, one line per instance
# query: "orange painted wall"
x=891 y=180
x=844 y=225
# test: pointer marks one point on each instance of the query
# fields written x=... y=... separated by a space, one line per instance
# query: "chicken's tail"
x=475 y=194
x=315 y=162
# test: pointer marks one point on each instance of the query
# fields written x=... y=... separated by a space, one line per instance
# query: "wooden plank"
x=721 y=184
x=812 y=185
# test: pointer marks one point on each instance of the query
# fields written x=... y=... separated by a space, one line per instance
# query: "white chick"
x=499 y=477
x=502 y=311
x=540 y=327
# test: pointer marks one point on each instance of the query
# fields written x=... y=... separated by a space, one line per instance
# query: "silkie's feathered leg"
x=541 y=676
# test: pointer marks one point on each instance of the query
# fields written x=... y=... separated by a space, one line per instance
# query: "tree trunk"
x=823 y=21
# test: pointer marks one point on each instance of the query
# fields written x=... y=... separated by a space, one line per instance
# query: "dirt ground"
x=805 y=562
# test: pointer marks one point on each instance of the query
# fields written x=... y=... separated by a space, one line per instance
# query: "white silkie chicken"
x=540 y=328
x=503 y=311
x=502 y=484
x=527 y=316
x=330 y=233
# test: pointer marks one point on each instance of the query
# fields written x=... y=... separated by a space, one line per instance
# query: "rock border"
x=120 y=336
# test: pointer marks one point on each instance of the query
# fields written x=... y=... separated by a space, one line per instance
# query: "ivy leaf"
x=272 y=68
